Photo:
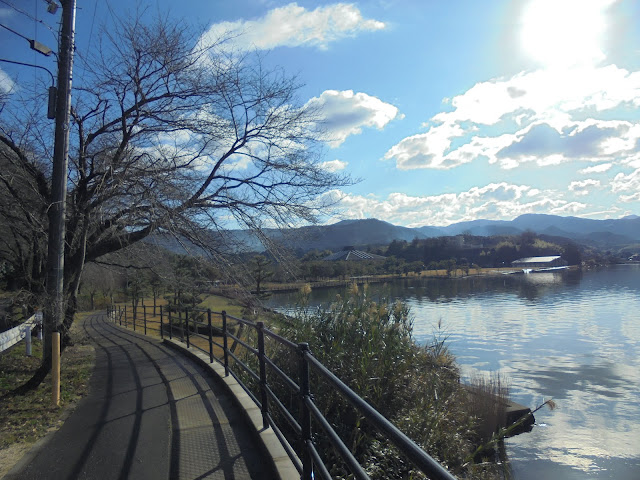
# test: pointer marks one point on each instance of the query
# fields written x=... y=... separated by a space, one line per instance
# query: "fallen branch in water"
x=506 y=431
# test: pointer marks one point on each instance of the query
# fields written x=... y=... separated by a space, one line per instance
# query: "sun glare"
x=564 y=32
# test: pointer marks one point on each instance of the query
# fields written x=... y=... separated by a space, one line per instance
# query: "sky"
x=445 y=111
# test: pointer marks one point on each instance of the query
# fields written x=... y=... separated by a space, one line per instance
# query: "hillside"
x=600 y=234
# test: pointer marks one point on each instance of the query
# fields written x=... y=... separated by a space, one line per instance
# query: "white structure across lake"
x=352 y=255
x=539 y=262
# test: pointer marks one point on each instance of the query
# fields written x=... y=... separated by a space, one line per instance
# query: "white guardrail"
x=13 y=336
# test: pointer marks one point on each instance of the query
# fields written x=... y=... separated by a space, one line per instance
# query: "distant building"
x=539 y=262
x=352 y=255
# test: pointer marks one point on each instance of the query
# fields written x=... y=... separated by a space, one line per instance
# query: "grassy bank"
x=368 y=343
x=26 y=418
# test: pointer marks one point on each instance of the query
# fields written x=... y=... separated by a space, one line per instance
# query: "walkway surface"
x=150 y=414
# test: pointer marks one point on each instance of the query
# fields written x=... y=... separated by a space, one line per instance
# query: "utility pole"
x=55 y=256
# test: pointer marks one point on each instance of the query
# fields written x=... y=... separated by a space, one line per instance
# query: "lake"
x=573 y=336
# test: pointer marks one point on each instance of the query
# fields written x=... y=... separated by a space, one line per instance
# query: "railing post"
x=225 y=343
x=195 y=324
x=186 y=322
x=144 y=317
x=126 y=324
x=210 y=336
x=170 y=326
x=161 y=323
x=305 y=420
x=134 y=314
x=181 y=325
x=264 y=399
x=27 y=339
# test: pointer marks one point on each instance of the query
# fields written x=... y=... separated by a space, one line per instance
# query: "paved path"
x=150 y=414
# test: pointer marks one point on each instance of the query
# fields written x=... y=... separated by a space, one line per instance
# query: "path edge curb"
x=282 y=464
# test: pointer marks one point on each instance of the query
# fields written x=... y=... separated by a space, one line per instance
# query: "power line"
x=84 y=61
x=35 y=45
x=27 y=15
x=13 y=31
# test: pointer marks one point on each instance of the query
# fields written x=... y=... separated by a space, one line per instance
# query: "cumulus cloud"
x=547 y=116
x=622 y=183
x=295 y=26
x=583 y=187
x=334 y=165
x=345 y=113
x=492 y=201
x=427 y=149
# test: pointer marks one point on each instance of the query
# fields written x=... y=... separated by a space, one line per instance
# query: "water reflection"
x=573 y=336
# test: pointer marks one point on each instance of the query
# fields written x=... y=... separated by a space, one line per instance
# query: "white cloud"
x=294 y=26
x=493 y=201
x=627 y=183
x=7 y=85
x=428 y=149
x=601 y=168
x=570 y=208
x=583 y=187
x=547 y=116
x=634 y=197
x=334 y=165
x=345 y=113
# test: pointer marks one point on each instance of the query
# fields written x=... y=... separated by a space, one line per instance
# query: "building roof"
x=537 y=259
x=353 y=255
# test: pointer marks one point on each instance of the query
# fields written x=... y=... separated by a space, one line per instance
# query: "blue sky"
x=446 y=111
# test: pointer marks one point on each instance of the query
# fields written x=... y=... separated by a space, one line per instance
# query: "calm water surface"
x=571 y=336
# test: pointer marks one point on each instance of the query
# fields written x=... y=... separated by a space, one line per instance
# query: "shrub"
x=369 y=346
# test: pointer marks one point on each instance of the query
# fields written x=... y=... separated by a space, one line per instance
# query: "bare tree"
x=169 y=135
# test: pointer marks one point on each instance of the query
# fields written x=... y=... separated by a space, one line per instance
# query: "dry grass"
x=25 y=419
x=488 y=399
x=153 y=322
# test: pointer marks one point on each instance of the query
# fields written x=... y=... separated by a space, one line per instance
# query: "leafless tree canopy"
x=168 y=135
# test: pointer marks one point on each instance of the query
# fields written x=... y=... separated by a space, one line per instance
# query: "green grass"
x=217 y=303
x=26 y=418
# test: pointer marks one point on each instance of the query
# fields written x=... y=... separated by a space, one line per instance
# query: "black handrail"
x=307 y=460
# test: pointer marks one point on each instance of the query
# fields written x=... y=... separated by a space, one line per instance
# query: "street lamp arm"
x=34 y=44
x=31 y=65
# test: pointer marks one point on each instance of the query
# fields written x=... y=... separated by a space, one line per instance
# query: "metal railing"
x=213 y=332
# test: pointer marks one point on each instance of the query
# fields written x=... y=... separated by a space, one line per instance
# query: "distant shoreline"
x=363 y=279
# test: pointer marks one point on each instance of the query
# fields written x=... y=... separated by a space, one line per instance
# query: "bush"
x=369 y=346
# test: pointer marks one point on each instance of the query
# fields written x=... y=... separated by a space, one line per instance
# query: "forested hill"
x=623 y=230
x=601 y=234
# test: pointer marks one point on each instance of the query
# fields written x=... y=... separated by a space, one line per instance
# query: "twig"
x=505 y=431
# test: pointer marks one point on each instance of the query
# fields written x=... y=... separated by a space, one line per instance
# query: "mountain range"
x=601 y=234
x=605 y=234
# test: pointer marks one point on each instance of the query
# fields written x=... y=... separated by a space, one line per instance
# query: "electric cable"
x=27 y=15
